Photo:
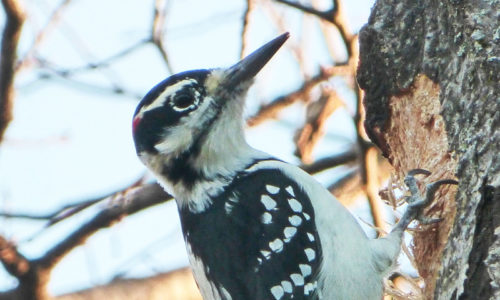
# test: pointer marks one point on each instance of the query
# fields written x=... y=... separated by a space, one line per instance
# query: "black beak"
x=248 y=67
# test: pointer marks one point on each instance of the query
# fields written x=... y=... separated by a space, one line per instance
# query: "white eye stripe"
x=171 y=90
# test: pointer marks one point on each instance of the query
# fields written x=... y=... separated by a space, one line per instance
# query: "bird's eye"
x=183 y=101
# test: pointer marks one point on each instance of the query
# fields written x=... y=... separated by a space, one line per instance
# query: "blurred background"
x=82 y=67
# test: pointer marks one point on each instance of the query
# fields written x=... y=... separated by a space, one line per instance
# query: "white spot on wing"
x=268 y=202
x=295 y=220
x=306 y=216
x=324 y=203
x=266 y=218
x=266 y=254
x=277 y=292
x=295 y=205
x=228 y=207
x=289 y=232
x=308 y=288
x=287 y=286
x=276 y=245
x=305 y=270
x=289 y=189
x=272 y=189
x=310 y=253
x=297 y=279
x=310 y=236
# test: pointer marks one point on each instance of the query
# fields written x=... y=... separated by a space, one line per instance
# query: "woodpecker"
x=255 y=227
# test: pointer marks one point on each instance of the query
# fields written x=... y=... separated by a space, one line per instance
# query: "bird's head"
x=194 y=119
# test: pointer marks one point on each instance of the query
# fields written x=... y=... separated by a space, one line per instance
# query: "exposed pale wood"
x=430 y=70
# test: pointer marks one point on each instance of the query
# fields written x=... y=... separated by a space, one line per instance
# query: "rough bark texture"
x=430 y=70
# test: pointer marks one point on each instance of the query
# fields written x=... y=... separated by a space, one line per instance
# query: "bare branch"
x=295 y=48
x=372 y=184
x=317 y=114
x=335 y=16
x=326 y=15
x=128 y=202
x=14 y=262
x=94 y=65
x=68 y=81
x=33 y=274
x=55 y=216
x=348 y=188
x=28 y=216
x=42 y=34
x=157 y=31
x=330 y=162
x=245 y=27
x=177 y=284
x=32 y=280
x=10 y=38
x=272 y=109
x=72 y=209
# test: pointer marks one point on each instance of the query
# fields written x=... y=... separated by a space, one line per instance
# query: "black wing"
x=258 y=240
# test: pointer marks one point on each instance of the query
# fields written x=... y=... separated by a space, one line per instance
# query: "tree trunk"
x=430 y=70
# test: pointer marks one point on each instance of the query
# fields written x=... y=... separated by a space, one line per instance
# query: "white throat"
x=223 y=153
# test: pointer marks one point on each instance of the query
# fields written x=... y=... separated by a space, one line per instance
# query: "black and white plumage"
x=255 y=227
x=256 y=238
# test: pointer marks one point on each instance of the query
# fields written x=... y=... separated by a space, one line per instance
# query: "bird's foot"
x=417 y=201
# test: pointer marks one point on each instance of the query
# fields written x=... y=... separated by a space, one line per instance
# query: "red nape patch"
x=136 y=122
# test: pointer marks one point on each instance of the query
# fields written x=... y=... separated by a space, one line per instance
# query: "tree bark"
x=430 y=70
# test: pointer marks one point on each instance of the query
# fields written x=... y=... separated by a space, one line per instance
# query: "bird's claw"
x=414 y=172
x=416 y=201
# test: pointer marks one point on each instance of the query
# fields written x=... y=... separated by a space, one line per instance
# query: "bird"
x=255 y=227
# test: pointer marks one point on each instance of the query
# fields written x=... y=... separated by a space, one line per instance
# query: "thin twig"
x=295 y=48
x=335 y=15
x=177 y=284
x=347 y=188
x=271 y=110
x=42 y=34
x=245 y=27
x=14 y=262
x=372 y=184
x=317 y=114
x=157 y=31
x=33 y=274
x=14 y=21
x=330 y=162
x=86 y=87
x=326 y=15
x=55 y=216
x=94 y=65
x=130 y=202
